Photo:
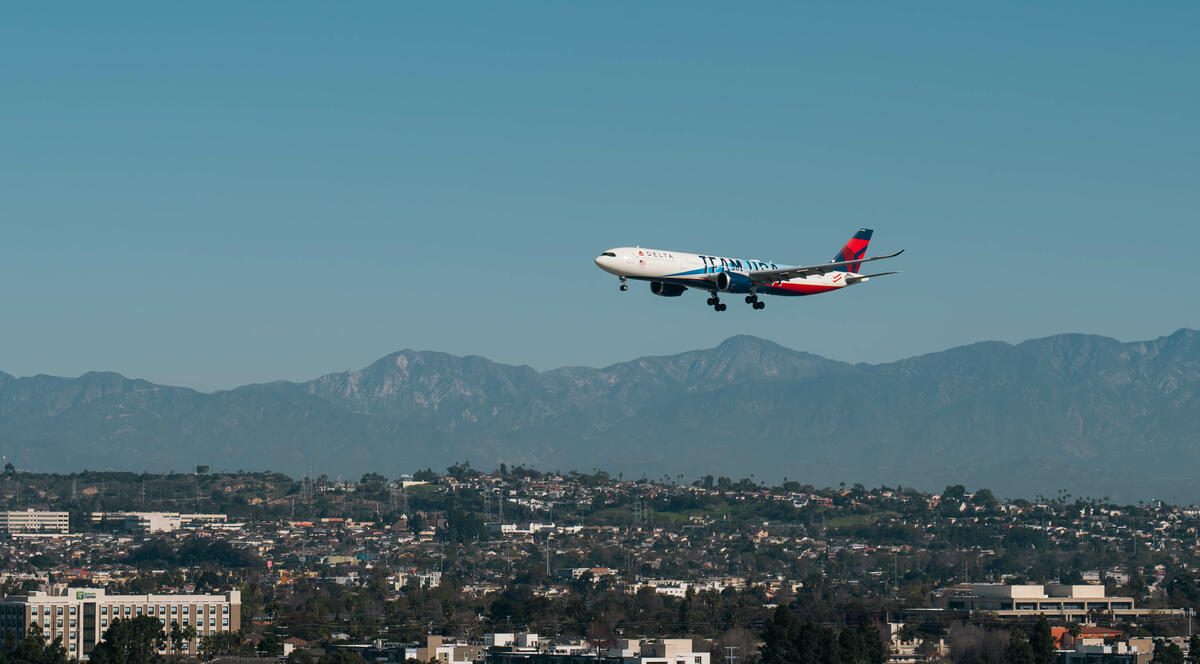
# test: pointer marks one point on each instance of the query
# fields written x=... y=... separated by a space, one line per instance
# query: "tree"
x=131 y=641
x=984 y=498
x=1166 y=652
x=189 y=634
x=34 y=649
x=954 y=492
x=340 y=656
x=175 y=635
x=222 y=644
x=271 y=645
x=1041 y=640
x=1018 y=651
x=1194 y=649
x=300 y=656
x=787 y=640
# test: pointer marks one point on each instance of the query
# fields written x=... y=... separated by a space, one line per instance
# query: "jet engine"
x=733 y=282
x=666 y=290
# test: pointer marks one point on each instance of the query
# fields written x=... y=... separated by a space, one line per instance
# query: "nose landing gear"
x=624 y=286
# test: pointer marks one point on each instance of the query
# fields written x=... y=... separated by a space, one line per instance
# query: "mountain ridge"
x=1073 y=409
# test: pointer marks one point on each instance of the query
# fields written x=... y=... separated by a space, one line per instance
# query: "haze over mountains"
x=1088 y=414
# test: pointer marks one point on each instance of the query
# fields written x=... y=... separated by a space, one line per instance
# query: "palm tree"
x=176 y=638
x=189 y=637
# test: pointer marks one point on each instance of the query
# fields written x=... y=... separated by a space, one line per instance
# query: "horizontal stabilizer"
x=863 y=277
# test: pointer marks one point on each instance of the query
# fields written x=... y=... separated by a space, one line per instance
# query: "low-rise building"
x=1066 y=602
x=526 y=649
x=442 y=650
x=158 y=522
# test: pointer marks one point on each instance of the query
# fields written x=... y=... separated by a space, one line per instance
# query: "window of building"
x=185 y=622
x=225 y=623
x=174 y=610
x=225 y=610
x=59 y=610
x=60 y=623
x=128 y=610
x=139 y=610
x=72 y=635
x=72 y=622
x=73 y=610
x=212 y=622
x=104 y=622
x=104 y=610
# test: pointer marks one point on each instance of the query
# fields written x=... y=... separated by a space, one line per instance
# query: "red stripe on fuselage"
x=788 y=288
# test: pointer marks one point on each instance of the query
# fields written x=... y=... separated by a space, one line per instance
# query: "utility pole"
x=729 y=656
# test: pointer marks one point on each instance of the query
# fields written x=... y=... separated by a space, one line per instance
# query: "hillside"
x=1083 y=413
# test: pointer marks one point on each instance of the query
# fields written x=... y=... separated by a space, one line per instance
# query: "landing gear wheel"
x=720 y=307
x=750 y=299
x=712 y=301
x=760 y=305
x=624 y=287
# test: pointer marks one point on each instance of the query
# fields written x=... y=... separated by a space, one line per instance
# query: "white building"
x=82 y=615
x=658 y=651
x=1067 y=602
x=159 y=522
x=35 y=521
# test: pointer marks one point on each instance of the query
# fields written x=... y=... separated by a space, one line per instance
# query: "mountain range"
x=1086 y=414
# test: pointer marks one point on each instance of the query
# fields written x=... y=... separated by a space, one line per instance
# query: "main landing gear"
x=715 y=303
x=753 y=301
x=624 y=286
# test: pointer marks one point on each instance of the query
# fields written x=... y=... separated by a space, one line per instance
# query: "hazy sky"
x=210 y=194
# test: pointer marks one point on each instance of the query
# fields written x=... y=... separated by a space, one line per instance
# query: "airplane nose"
x=606 y=262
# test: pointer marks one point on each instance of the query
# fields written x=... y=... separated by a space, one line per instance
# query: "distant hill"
x=1087 y=414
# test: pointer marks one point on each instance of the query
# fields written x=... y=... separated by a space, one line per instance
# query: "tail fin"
x=856 y=248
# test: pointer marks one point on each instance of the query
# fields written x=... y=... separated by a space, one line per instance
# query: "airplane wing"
x=760 y=277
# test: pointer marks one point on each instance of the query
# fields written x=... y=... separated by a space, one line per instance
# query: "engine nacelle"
x=732 y=282
x=666 y=290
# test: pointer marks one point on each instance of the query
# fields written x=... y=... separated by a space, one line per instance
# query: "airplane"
x=670 y=273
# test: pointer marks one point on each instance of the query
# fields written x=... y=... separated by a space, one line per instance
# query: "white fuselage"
x=698 y=270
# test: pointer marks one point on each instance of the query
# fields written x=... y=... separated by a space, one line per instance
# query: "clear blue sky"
x=210 y=194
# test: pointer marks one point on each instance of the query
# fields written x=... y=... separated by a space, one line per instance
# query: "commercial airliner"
x=670 y=273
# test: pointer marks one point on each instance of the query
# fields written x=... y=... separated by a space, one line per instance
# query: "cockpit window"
x=609 y=254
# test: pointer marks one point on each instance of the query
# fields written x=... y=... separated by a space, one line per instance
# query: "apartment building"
x=80 y=616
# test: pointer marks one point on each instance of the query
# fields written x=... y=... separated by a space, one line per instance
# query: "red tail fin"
x=855 y=249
